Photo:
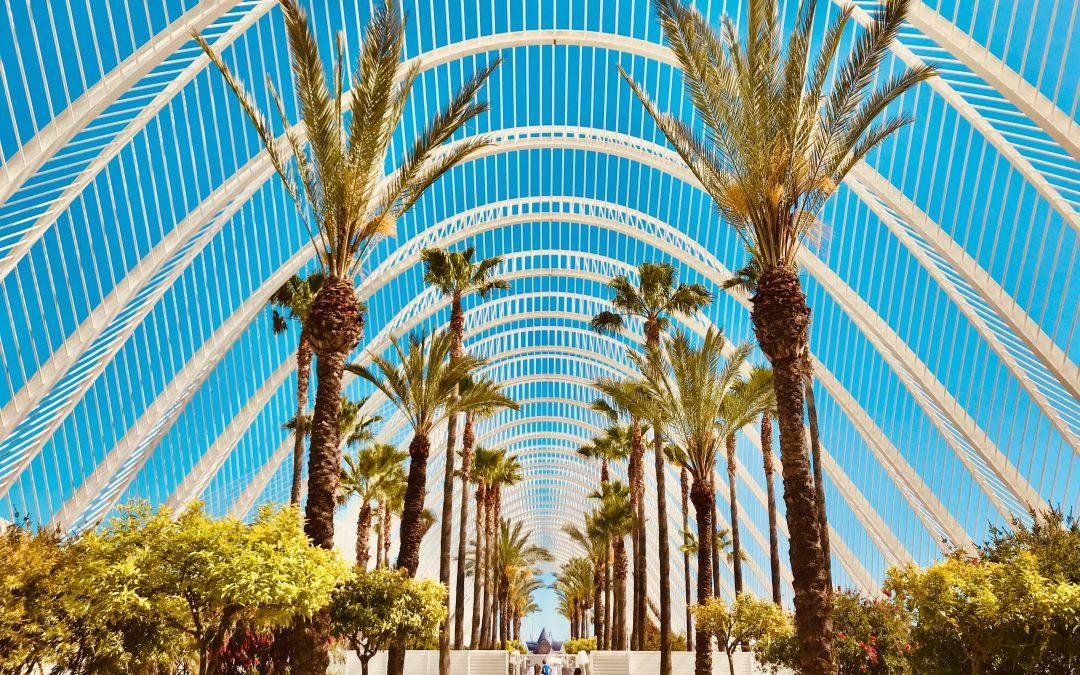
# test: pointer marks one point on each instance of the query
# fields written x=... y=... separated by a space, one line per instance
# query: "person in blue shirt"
x=546 y=670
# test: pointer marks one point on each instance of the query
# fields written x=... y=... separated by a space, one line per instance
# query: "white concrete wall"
x=426 y=662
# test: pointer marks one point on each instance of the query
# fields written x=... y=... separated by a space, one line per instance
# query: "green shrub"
x=575 y=645
x=516 y=646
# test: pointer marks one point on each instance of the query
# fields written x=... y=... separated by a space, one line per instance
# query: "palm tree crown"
x=455 y=273
x=655 y=295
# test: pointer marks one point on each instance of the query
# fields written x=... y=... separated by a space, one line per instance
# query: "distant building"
x=544 y=644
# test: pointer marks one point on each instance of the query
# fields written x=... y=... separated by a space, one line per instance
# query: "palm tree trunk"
x=380 y=529
x=303 y=376
x=636 y=472
x=819 y=484
x=478 y=567
x=493 y=545
x=736 y=550
x=386 y=535
x=467 y=440
x=363 y=535
x=457 y=330
x=781 y=323
x=620 y=564
x=324 y=466
x=704 y=499
x=609 y=605
x=774 y=548
x=411 y=530
x=598 y=605
x=715 y=545
x=486 y=620
x=685 y=487
x=663 y=552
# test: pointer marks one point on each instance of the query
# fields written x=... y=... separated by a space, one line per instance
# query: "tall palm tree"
x=575 y=584
x=468 y=439
x=657 y=296
x=345 y=205
x=507 y=471
x=614 y=516
x=293 y=300
x=521 y=600
x=514 y=557
x=485 y=465
x=596 y=553
x=456 y=275
x=689 y=385
x=421 y=383
x=366 y=475
x=776 y=145
x=684 y=489
x=742 y=405
x=611 y=446
x=631 y=398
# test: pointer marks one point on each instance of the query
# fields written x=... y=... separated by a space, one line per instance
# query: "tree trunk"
x=467 y=440
x=489 y=537
x=324 y=460
x=781 y=323
x=598 y=604
x=686 y=559
x=609 y=605
x=363 y=535
x=303 y=376
x=774 y=548
x=730 y=660
x=386 y=535
x=819 y=484
x=478 y=566
x=381 y=516
x=637 y=500
x=620 y=564
x=457 y=331
x=704 y=500
x=663 y=552
x=714 y=547
x=733 y=501
x=411 y=530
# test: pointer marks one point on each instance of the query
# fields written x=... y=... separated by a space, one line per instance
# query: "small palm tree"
x=615 y=518
x=485 y=465
x=293 y=301
x=689 y=385
x=596 y=553
x=345 y=205
x=421 y=382
x=505 y=472
x=365 y=475
x=456 y=275
x=514 y=557
x=391 y=500
x=575 y=585
x=777 y=142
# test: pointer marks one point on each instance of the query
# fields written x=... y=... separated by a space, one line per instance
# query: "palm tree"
x=293 y=300
x=345 y=205
x=468 y=438
x=455 y=275
x=657 y=296
x=611 y=446
x=366 y=475
x=353 y=428
x=775 y=147
x=689 y=385
x=631 y=398
x=484 y=467
x=506 y=471
x=684 y=489
x=420 y=382
x=596 y=553
x=514 y=557
x=575 y=587
x=391 y=501
x=615 y=518
x=746 y=400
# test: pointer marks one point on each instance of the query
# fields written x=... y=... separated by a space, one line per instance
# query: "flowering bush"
x=575 y=645
x=516 y=646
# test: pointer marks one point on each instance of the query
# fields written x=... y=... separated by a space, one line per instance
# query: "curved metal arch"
x=62 y=128
x=979 y=123
x=146 y=113
x=619 y=43
x=883 y=532
x=919 y=379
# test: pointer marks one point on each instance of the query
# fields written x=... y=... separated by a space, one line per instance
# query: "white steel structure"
x=142 y=232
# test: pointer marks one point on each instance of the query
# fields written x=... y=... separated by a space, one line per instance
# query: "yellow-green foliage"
x=516 y=647
x=973 y=615
x=373 y=609
x=575 y=645
x=150 y=591
x=750 y=619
